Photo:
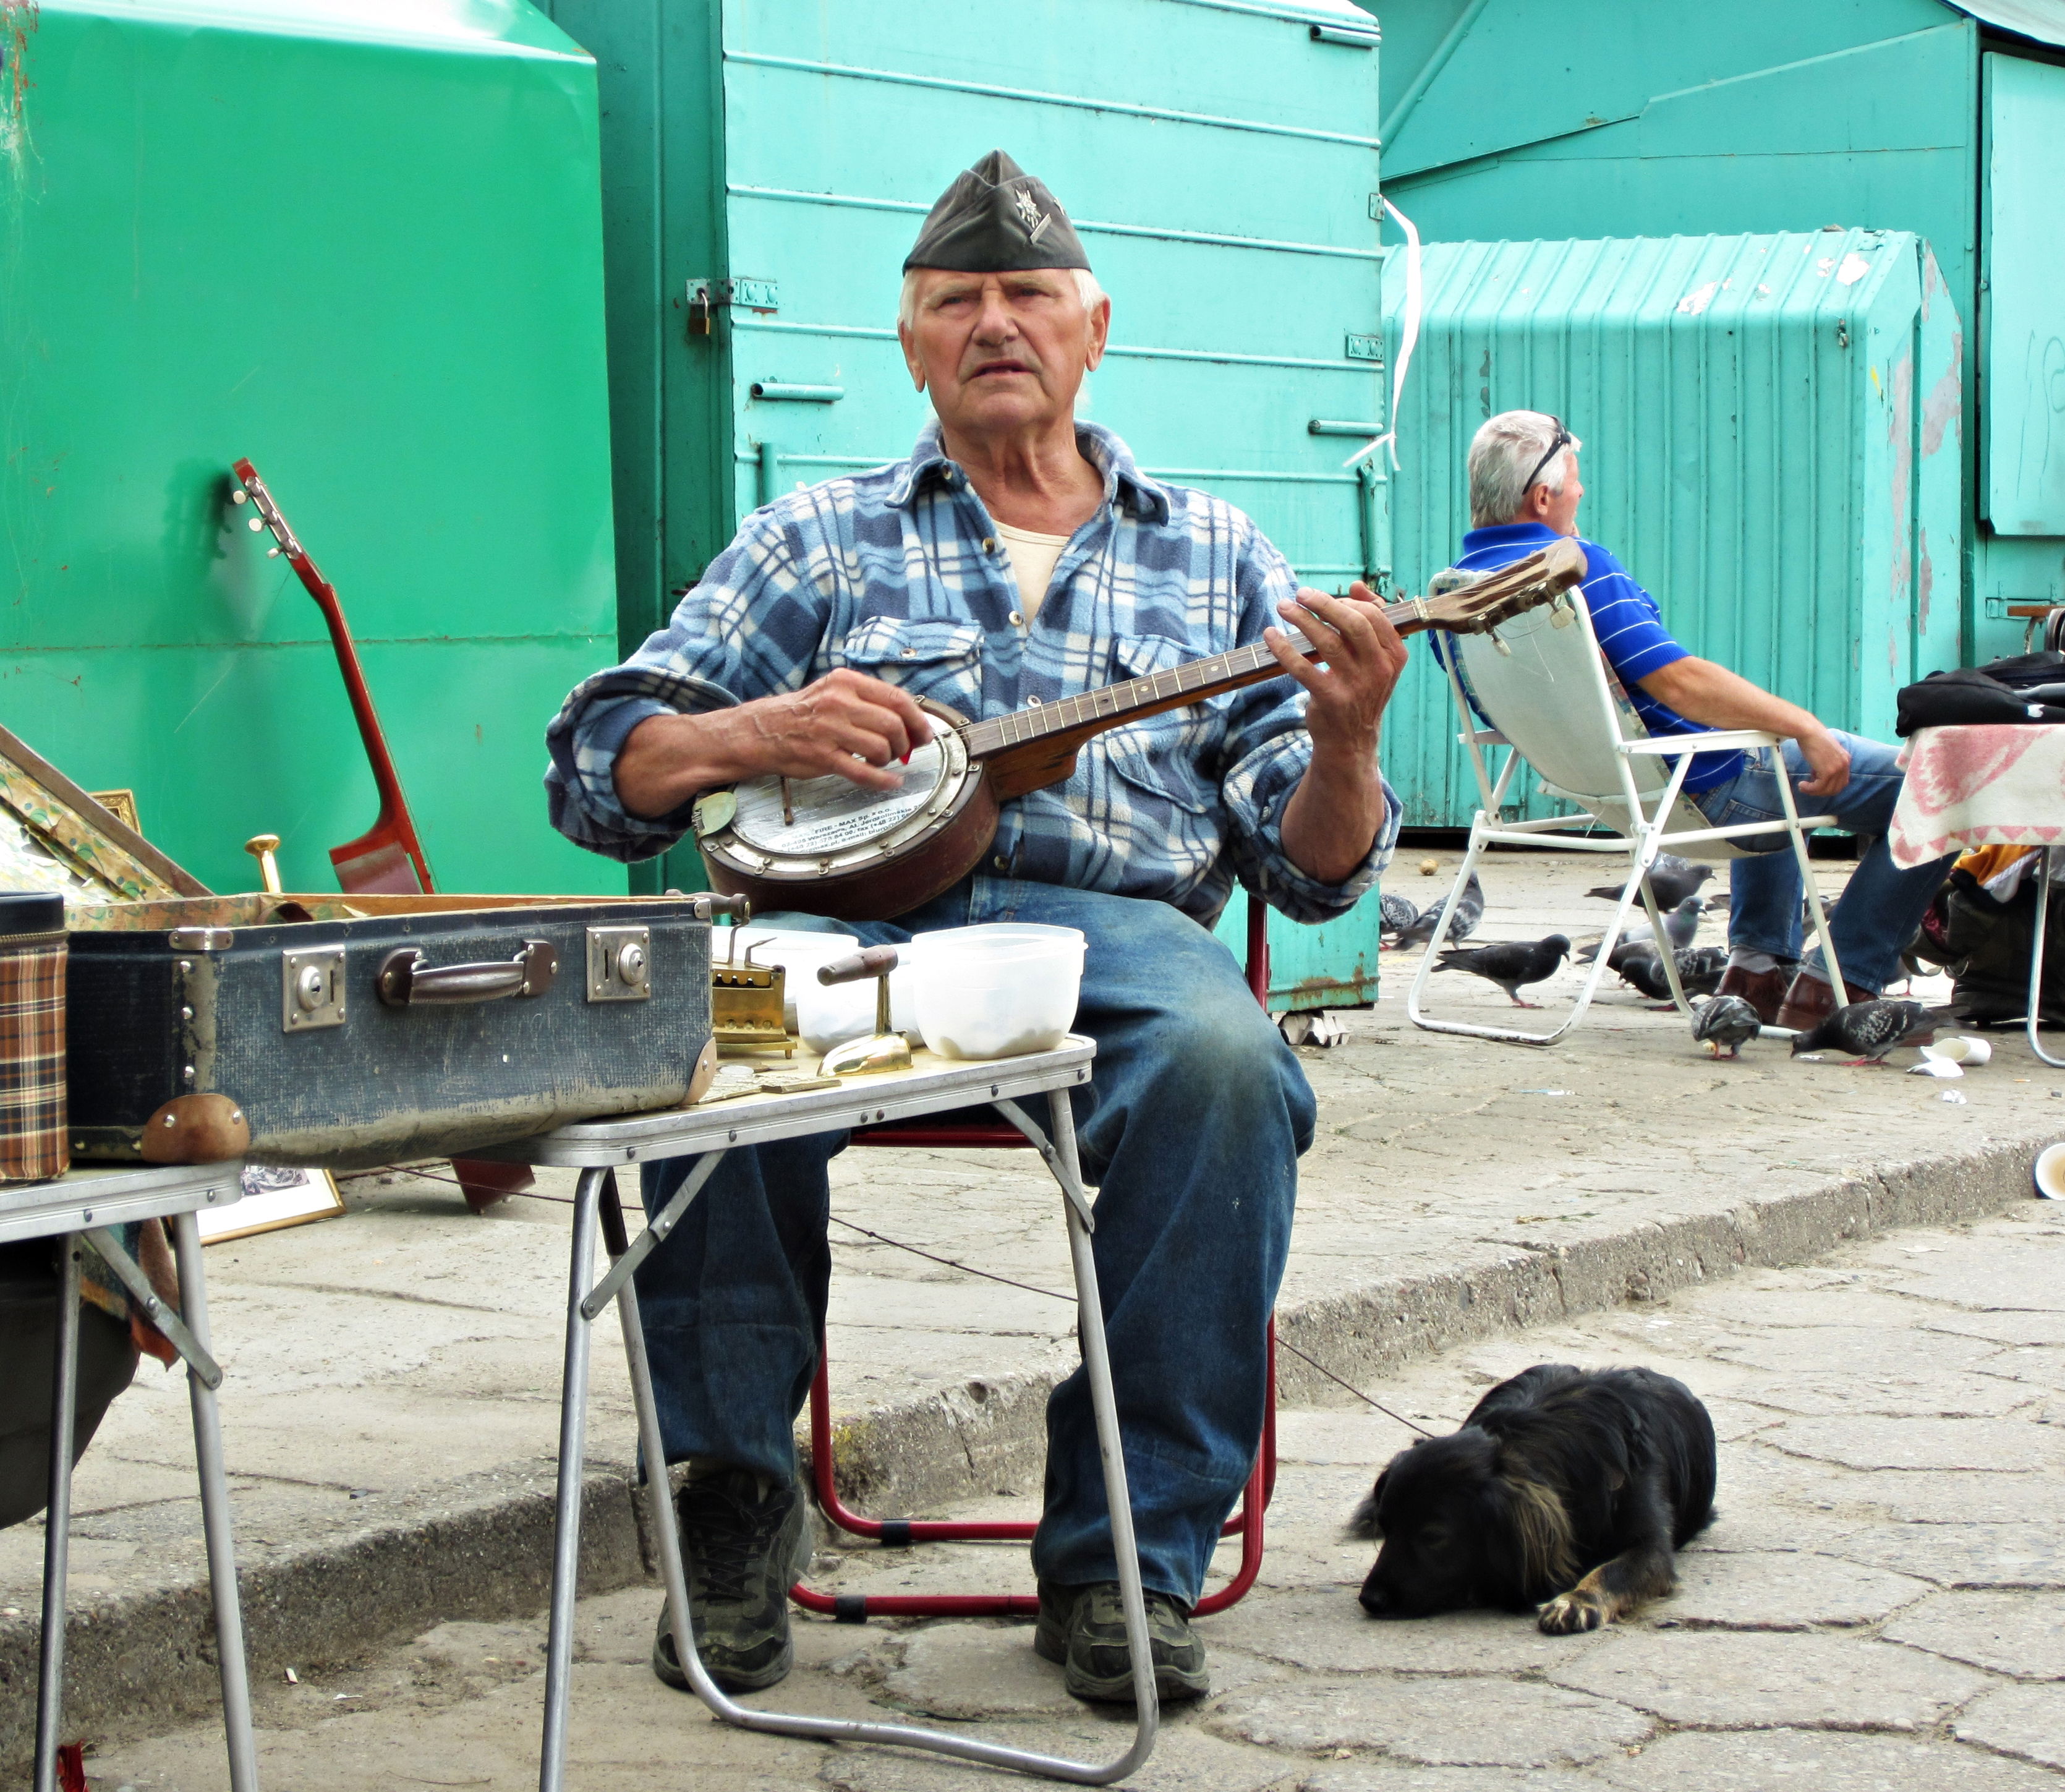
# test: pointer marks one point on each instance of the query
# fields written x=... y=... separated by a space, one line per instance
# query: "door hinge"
x=1364 y=348
x=706 y=295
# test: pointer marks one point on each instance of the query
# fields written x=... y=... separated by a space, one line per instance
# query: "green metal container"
x=360 y=244
x=1770 y=429
x=1509 y=119
x=765 y=167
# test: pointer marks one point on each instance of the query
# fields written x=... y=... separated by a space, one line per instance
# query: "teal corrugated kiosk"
x=1941 y=120
x=765 y=166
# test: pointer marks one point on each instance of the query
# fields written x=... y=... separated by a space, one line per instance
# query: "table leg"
x=215 y=1516
x=573 y=1445
x=57 y=1519
x=667 y=1536
x=2036 y=959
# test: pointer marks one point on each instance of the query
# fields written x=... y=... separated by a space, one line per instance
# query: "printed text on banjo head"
x=831 y=814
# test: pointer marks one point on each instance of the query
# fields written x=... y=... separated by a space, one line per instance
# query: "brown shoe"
x=1810 y=1001
x=1763 y=990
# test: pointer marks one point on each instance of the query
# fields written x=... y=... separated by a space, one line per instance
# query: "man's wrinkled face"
x=1002 y=352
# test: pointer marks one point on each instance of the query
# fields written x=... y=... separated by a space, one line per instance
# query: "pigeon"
x=1395 y=914
x=1672 y=878
x=1469 y=911
x=1679 y=925
x=1726 y=1020
x=1700 y=968
x=1869 y=1030
x=1639 y=966
x=1511 y=964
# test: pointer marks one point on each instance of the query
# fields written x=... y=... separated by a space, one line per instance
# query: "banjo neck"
x=1075 y=719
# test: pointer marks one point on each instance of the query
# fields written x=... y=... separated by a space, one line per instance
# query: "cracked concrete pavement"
x=1881 y=1604
x=391 y=1411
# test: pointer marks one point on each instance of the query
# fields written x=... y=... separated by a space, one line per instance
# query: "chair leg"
x=1247 y=1524
x=1807 y=884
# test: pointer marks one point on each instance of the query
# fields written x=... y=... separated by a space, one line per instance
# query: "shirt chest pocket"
x=1168 y=755
x=939 y=660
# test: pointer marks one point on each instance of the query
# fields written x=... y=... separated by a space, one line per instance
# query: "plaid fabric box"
x=32 y=1144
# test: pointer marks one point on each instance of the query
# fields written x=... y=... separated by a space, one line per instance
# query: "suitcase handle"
x=404 y=981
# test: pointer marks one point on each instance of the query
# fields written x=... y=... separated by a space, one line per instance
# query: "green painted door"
x=363 y=249
x=2022 y=314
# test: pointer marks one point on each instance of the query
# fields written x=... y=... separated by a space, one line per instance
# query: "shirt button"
x=1033 y=702
x=989 y=544
x=1001 y=863
x=910 y=652
x=1017 y=621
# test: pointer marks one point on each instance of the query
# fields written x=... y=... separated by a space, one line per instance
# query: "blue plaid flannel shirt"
x=896 y=572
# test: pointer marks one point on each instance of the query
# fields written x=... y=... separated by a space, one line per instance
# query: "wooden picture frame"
x=274 y=1196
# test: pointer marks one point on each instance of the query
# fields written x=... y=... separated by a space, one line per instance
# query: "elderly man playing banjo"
x=1017 y=557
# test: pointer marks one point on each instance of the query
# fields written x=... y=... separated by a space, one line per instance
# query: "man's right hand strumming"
x=845 y=722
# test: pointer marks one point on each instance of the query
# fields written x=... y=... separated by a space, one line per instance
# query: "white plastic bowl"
x=796 y=950
x=998 y=991
x=2048 y=1173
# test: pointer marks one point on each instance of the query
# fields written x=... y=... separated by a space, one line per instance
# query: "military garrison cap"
x=996 y=218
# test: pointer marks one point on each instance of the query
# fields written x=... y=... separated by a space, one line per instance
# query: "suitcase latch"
x=619 y=964
x=311 y=989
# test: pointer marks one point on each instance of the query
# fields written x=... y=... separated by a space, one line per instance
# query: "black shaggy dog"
x=1567 y=1489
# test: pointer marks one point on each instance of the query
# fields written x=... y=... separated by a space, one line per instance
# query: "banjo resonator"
x=827 y=845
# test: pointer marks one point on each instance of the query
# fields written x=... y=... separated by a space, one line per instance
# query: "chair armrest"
x=1486 y=736
x=1717 y=740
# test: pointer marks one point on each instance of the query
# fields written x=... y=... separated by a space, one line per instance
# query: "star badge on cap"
x=996 y=218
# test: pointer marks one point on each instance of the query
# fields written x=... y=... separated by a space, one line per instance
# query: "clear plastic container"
x=998 y=991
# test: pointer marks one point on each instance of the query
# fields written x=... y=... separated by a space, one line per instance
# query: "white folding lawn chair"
x=1541 y=680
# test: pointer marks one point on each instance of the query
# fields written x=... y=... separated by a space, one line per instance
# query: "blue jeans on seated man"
x=1191 y=1127
x=1881 y=907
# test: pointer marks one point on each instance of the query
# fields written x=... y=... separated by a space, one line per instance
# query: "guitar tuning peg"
x=1501 y=644
x=273 y=553
x=1561 y=614
x=240 y=497
x=257 y=523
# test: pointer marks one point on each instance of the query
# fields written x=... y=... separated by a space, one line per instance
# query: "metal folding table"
x=597 y=1148
x=84 y=1209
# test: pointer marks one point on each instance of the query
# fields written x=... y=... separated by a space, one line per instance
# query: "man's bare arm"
x=1703 y=692
x=1332 y=818
x=844 y=723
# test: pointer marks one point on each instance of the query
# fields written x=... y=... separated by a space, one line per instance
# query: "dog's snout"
x=1375 y=1601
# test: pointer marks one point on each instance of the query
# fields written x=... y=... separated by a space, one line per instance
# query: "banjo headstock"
x=1478 y=607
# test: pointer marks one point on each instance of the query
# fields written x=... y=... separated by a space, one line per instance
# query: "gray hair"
x=1503 y=452
x=1087 y=290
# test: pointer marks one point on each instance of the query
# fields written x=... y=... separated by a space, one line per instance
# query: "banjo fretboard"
x=1108 y=706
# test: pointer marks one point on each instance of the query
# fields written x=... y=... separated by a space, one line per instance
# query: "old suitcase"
x=351 y=1031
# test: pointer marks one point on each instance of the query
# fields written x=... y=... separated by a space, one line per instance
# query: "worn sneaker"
x=1084 y=1629
x=743 y=1549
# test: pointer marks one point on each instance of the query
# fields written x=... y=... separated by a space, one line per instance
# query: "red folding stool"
x=1247 y=1524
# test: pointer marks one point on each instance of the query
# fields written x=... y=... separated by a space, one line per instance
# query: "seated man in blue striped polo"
x=1524 y=493
x=1017 y=557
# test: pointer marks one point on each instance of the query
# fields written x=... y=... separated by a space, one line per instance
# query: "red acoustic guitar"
x=387 y=859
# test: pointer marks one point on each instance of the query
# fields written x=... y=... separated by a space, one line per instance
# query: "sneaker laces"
x=728 y=1538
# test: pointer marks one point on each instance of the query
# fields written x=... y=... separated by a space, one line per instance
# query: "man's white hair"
x=1087 y=290
x=1503 y=453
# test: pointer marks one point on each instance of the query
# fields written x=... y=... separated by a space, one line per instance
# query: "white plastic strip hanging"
x=1409 y=339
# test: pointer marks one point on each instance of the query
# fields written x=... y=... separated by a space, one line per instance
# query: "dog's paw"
x=1568 y=1614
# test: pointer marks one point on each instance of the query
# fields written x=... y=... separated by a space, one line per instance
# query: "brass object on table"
x=746 y=1002
x=885 y=1050
x=261 y=846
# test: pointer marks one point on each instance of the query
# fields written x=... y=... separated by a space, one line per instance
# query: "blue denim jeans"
x=1881 y=907
x=1191 y=1125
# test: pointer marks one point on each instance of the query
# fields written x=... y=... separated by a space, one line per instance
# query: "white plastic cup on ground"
x=2048 y=1173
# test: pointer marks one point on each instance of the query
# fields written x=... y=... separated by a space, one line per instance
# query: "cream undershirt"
x=1032 y=560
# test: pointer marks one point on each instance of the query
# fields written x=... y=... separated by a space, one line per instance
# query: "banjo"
x=827 y=845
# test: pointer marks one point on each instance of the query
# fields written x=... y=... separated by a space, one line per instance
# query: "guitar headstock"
x=1480 y=606
x=249 y=489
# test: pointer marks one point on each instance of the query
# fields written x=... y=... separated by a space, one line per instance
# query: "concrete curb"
x=481 y=1549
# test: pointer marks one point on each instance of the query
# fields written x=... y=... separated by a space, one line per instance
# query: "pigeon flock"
x=1866 y=1030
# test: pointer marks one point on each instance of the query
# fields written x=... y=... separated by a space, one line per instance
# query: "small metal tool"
x=747 y=1000
x=887 y=1050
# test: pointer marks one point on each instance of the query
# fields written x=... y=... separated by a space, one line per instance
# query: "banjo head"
x=793 y=832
